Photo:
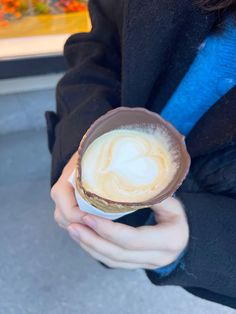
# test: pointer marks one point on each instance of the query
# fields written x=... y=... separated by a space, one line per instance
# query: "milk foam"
x=128 y=165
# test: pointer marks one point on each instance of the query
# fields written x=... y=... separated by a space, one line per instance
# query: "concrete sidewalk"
x=42 y=271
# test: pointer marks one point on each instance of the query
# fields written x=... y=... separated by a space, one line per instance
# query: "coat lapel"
x=216 y=129
x=154 y=35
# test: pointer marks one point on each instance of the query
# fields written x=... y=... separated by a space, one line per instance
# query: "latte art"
x=127 y=165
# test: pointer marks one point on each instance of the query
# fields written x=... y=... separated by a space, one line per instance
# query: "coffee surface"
x=128 y=165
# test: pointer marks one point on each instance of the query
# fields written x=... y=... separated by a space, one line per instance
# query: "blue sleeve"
x=168 y=269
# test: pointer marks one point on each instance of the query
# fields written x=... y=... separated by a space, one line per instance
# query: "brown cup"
x=125 y=116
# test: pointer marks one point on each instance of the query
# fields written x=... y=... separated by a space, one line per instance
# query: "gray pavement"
x=42 y=271
x=18 y=113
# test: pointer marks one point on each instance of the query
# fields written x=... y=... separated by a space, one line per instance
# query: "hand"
x=66 y=208
x=118 y=245
x=122 y=246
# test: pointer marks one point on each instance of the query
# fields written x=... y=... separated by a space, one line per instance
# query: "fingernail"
x=90 y=221
x=74 y=232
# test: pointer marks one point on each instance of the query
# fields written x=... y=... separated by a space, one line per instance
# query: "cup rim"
x=169 y=190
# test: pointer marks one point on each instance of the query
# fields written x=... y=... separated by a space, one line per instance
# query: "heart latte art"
x=128 y=165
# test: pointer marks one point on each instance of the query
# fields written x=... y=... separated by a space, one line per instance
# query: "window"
x=30 y=28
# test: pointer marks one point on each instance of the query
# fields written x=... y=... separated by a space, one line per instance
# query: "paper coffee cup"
x=87 y=207
x=128 y=117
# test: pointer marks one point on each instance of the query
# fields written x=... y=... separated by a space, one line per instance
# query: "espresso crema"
x=128 y=165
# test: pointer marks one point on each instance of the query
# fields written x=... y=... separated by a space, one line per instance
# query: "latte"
x=128 y=164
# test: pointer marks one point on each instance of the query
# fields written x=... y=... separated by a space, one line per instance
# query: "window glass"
x=39 y=27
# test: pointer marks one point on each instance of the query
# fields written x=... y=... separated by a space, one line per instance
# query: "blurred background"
x=41 y=269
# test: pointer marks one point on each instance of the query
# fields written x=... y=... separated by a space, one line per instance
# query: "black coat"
x=136 y=55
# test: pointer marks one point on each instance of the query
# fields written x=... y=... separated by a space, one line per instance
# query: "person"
x=176 y=58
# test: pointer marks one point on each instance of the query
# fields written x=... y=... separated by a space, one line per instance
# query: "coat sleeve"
x=90 y=87
x=210 y=258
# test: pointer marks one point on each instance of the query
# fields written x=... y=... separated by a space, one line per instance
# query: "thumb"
x=168 y=210
x=70 y=166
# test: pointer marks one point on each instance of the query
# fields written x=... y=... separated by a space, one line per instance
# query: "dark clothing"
x=135 y=56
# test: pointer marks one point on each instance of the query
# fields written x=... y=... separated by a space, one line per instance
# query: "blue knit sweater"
x=211 y=75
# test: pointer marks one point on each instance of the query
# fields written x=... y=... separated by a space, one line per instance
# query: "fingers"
x=60 y=219
x=114 y=232
x=168 y=210
x=114 y=264
x=158 y=237
x=106 y=252
x=63 y=195
x=91 y=239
